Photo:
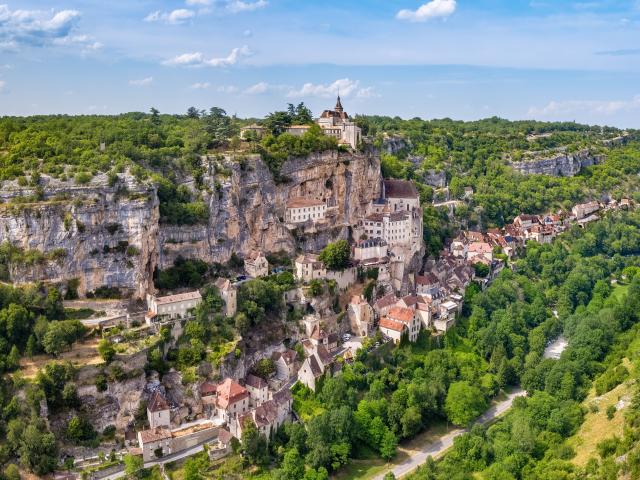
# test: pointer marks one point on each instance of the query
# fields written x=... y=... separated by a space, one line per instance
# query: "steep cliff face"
x=247 y=207
x=100 y=235
x=562 y=164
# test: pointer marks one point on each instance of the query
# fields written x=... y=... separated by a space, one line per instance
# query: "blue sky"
x=463 y=59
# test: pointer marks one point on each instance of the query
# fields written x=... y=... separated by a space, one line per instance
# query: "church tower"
x=339 y=108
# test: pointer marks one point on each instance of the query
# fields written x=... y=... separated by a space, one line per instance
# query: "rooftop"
x=179 y=297
x=157 y=403
x=391 y=324
x=300 y=202
x=254 y=381
x=154 y=434
x=229 y=392
x=400 y=189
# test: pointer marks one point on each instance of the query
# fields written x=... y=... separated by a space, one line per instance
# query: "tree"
x=106 y=350
x=133 y=464
x=193 y=112
x=11 y=472
x=254 y=444
x=464 y=402
x=481 y=269
x=388 y=445
x=335 y=256
x=38 y=450
x=292 y=466
x=264 y=368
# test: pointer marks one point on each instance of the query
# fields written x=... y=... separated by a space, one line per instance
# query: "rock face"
x=393 y=144
x=111 y=236
x=100 y=235
x=247 y=208
x=562 y=164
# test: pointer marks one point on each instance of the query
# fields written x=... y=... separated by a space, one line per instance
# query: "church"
x=337 y=123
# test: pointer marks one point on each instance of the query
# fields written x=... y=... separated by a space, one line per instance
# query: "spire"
x=339 y=105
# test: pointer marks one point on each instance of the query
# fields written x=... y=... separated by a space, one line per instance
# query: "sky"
x=462 y=59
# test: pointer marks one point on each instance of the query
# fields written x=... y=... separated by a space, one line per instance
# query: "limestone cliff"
x=561 y=164
x=99 y=234
x=247 y=206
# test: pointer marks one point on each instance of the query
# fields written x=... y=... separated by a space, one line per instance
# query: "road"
x=437 y=448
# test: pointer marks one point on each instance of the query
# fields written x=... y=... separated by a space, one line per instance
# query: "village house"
x=232 y=399
x=480 y=252
x=300 y=210
x=327 y=340
x=392 y=329
x=257 y=388
x=161 y=441
x=158 y=411
x=171 y=306
x=155 y=441
x=406 y=316
x=285 y=363
x=309 y=267
x=251 y=132
x=256 y=264
x=583 y=210
x=267 y=417
x=297 y=130
x=336 y=123
x=524 y=221
x=229 y=295
x=361 y=316
x=315 y=366
x=382 y=306
x=427 y=284
x=370 y=249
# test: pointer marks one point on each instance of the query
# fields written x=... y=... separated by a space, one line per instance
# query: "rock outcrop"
x=99 y=234
x=562 y=164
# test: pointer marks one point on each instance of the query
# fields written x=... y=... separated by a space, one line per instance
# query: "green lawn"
x=619 y=291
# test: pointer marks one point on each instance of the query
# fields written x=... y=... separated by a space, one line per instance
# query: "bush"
x=611 y=411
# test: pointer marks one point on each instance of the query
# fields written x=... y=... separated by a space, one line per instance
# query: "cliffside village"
x=411 y=296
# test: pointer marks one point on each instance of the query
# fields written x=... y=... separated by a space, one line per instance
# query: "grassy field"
x=619 y=291
x=82 y=353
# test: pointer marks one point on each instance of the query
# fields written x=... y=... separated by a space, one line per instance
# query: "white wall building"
x=337 y=123
x=256 y=264
x=300 y=210
x=171 y=306
x=229 y=295
x=309 y=267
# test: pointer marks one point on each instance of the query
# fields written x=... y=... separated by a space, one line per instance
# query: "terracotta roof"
x=207 y=388
x=255 y=382
x=224 y=436
x=409 y=300
x=386 y=301
x=298 y=127
x=316 y=371
x=154 y=434
x=283 y=396
x=230 y=392
x=427 y=279
x=404 y=315
x=222 y=283
x=179 y=297
x=157 y=403
x=480 y=247
x=390 y=324
x=400 y=189
x=299 y=202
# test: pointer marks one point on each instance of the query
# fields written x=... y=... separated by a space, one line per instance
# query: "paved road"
x=437 y=448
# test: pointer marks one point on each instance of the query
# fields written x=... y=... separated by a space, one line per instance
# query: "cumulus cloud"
x=198 y=2
x=142 y=82
x=175 y=17
x=258 y=88
x=3 y=85
x=344 y=86
x=236 y=6
x=429 y=10
x=200 y=86
x=40 y=28
x=557 y=109
x=198 y=59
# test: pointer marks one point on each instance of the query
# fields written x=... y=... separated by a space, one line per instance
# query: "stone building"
x=232 y=399
x=229 y=295
x=286 y=363
x=256 y=264
x=171 y=306
x=300 y=210
x=158 y=412
x=257 y=388
x=337 y=123
x=309 y=267
x=360 y=315
x=251 y=131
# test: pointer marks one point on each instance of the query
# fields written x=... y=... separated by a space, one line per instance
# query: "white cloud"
x=142 y=82
x=429 y=10
x=197 y=59
x=174 y=17
x=200 y=86
x=227 y=89
x=343 y=86
x=40 y=28
x=258 y=88
x=557 y=109
x=198 y=2
x=3 y=85
x=236 y=6
x=367 y=92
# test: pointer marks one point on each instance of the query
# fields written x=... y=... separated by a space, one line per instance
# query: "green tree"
x=133 y=465
x=106 y=350
x=464 y=403
x=38 y=450
x=388 y=445
x=254 y=444
x=335 y=256
x=292 y=466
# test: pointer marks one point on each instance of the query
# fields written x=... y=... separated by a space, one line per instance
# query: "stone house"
x=257 y=388
x=256 y=264
x=315 y=365
x=232 y=399
x=392 y=329
x=286 y=363
x=309 y=267
x=158 y=411
x=582 y=210
x=155 y=440
x=408 y=318
x=255 y=131
x=361 y=316
x=300 y=210
x=229 y=294
x=382 y=306
x=267 y=417
x=337 y=123
x=171 y=306
x=427 y=284
x=327 y=340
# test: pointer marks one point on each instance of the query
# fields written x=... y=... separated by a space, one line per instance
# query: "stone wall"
x=562 y=164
